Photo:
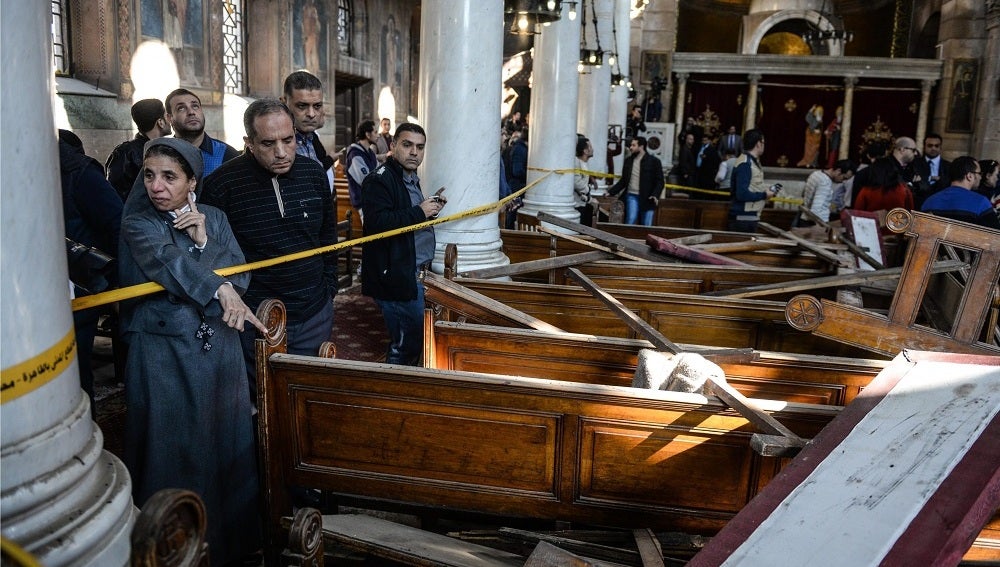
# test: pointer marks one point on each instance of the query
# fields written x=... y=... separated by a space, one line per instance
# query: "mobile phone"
x=776 y=188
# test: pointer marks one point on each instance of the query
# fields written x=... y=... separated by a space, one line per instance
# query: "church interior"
x=543 y=323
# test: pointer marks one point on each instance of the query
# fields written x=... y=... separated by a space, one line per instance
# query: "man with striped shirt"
x=278 y=204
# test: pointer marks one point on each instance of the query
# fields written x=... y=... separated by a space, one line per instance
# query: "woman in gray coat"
x=188 y=421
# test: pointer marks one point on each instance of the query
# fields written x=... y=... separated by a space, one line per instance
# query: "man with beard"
x=932 y=169
x=640 y=184
x=125 y=161
x=188 y=121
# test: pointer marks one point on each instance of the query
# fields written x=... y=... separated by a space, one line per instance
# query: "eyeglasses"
x=911 y=149
x=977 y=172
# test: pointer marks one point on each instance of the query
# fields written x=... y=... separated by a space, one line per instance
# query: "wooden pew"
x=612 y=361
x=714 y=215
x=735 y=323
x=344 y=205
x=449 y=441
x=509 y=446
x=522 y=246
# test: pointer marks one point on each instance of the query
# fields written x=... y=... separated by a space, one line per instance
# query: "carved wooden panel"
x=511 y=446
x=705 y=321
x=603 y=360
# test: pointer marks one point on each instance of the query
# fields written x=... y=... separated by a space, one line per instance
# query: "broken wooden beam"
x=857 y=278
x=606 y=238
x=611 y=248
x=745 y=246
x=649 y=548
x=688 y=253
x=461 y=299
x=802 y=242
x=542 y=265
x=587 y=548
x=411 y=546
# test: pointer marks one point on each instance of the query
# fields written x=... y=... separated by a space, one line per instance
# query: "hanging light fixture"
x=526 y=15
x=814 y=35
x=572 y=11
x=590 y=57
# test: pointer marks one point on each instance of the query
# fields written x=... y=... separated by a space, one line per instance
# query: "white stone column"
x=552 y=129
x=618 y=104
x=64 y=499
x=845 y=122
x=595 y=83
x=750 y=118
x=925 y=99
x=679 y=109
x=461 y=45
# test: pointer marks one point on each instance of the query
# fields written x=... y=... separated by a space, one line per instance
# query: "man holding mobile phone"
x=392 y=198
x=749 y=192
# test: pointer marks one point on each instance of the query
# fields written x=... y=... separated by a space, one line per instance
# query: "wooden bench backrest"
x=612 y=361
x=680 y=278
x=522 y=246
x=736 y=323
x=512 y=446
x=344 y=204
x=713 y=215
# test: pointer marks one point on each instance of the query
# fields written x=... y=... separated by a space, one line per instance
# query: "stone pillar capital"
x=927 y=84
x=850 y=81
x=754 y=78
x=681 y=77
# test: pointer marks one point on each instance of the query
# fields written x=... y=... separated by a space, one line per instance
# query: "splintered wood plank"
x=411 y=546
x=606 y=238
x=802 y=242
x=537 y=265
x=461 y=299
x=649 y=548
x=684 y=252
x=548 y=555
x=857 y=278
x=907 y=475
x=617 y=251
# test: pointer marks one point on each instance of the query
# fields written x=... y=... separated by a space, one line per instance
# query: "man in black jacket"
x=391 y=198
x=303 y=95
x=125 y=161
x=640 y=186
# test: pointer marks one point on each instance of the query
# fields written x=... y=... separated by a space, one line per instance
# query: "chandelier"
x=526 y=15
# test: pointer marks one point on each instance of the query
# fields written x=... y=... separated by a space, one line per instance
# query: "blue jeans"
x=405 y=322
x=632 y=211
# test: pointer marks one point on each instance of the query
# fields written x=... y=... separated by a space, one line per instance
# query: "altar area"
x=844 y=102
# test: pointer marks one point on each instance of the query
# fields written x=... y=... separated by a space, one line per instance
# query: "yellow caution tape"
x=131 y=292
x=28 y=376
x=88 y=301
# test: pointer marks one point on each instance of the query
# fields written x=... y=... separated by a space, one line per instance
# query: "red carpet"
x=358 y=328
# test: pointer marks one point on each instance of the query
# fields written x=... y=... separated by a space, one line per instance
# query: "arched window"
x=345 y=22
x=232 y=46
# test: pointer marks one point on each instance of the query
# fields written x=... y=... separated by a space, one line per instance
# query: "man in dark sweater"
x=960 y=201
x=392 y=199
x=278 y=204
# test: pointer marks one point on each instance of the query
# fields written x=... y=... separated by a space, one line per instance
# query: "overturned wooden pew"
x=522 y=246
x=722 y=322
x=612 y=361
x=507 y=446
x=966 y=320
x=387 y=436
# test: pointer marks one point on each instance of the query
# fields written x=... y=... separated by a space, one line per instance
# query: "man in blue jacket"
x=392 y=198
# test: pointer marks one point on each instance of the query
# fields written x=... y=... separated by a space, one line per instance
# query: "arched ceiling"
x=838 y=7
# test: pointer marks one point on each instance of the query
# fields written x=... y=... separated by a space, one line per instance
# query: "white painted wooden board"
x=854 y=506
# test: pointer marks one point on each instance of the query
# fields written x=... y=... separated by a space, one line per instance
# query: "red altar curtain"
x=891 y=105
x=784 y=102
x=716 y=101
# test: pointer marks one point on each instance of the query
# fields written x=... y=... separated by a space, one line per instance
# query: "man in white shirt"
x=818 y=192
